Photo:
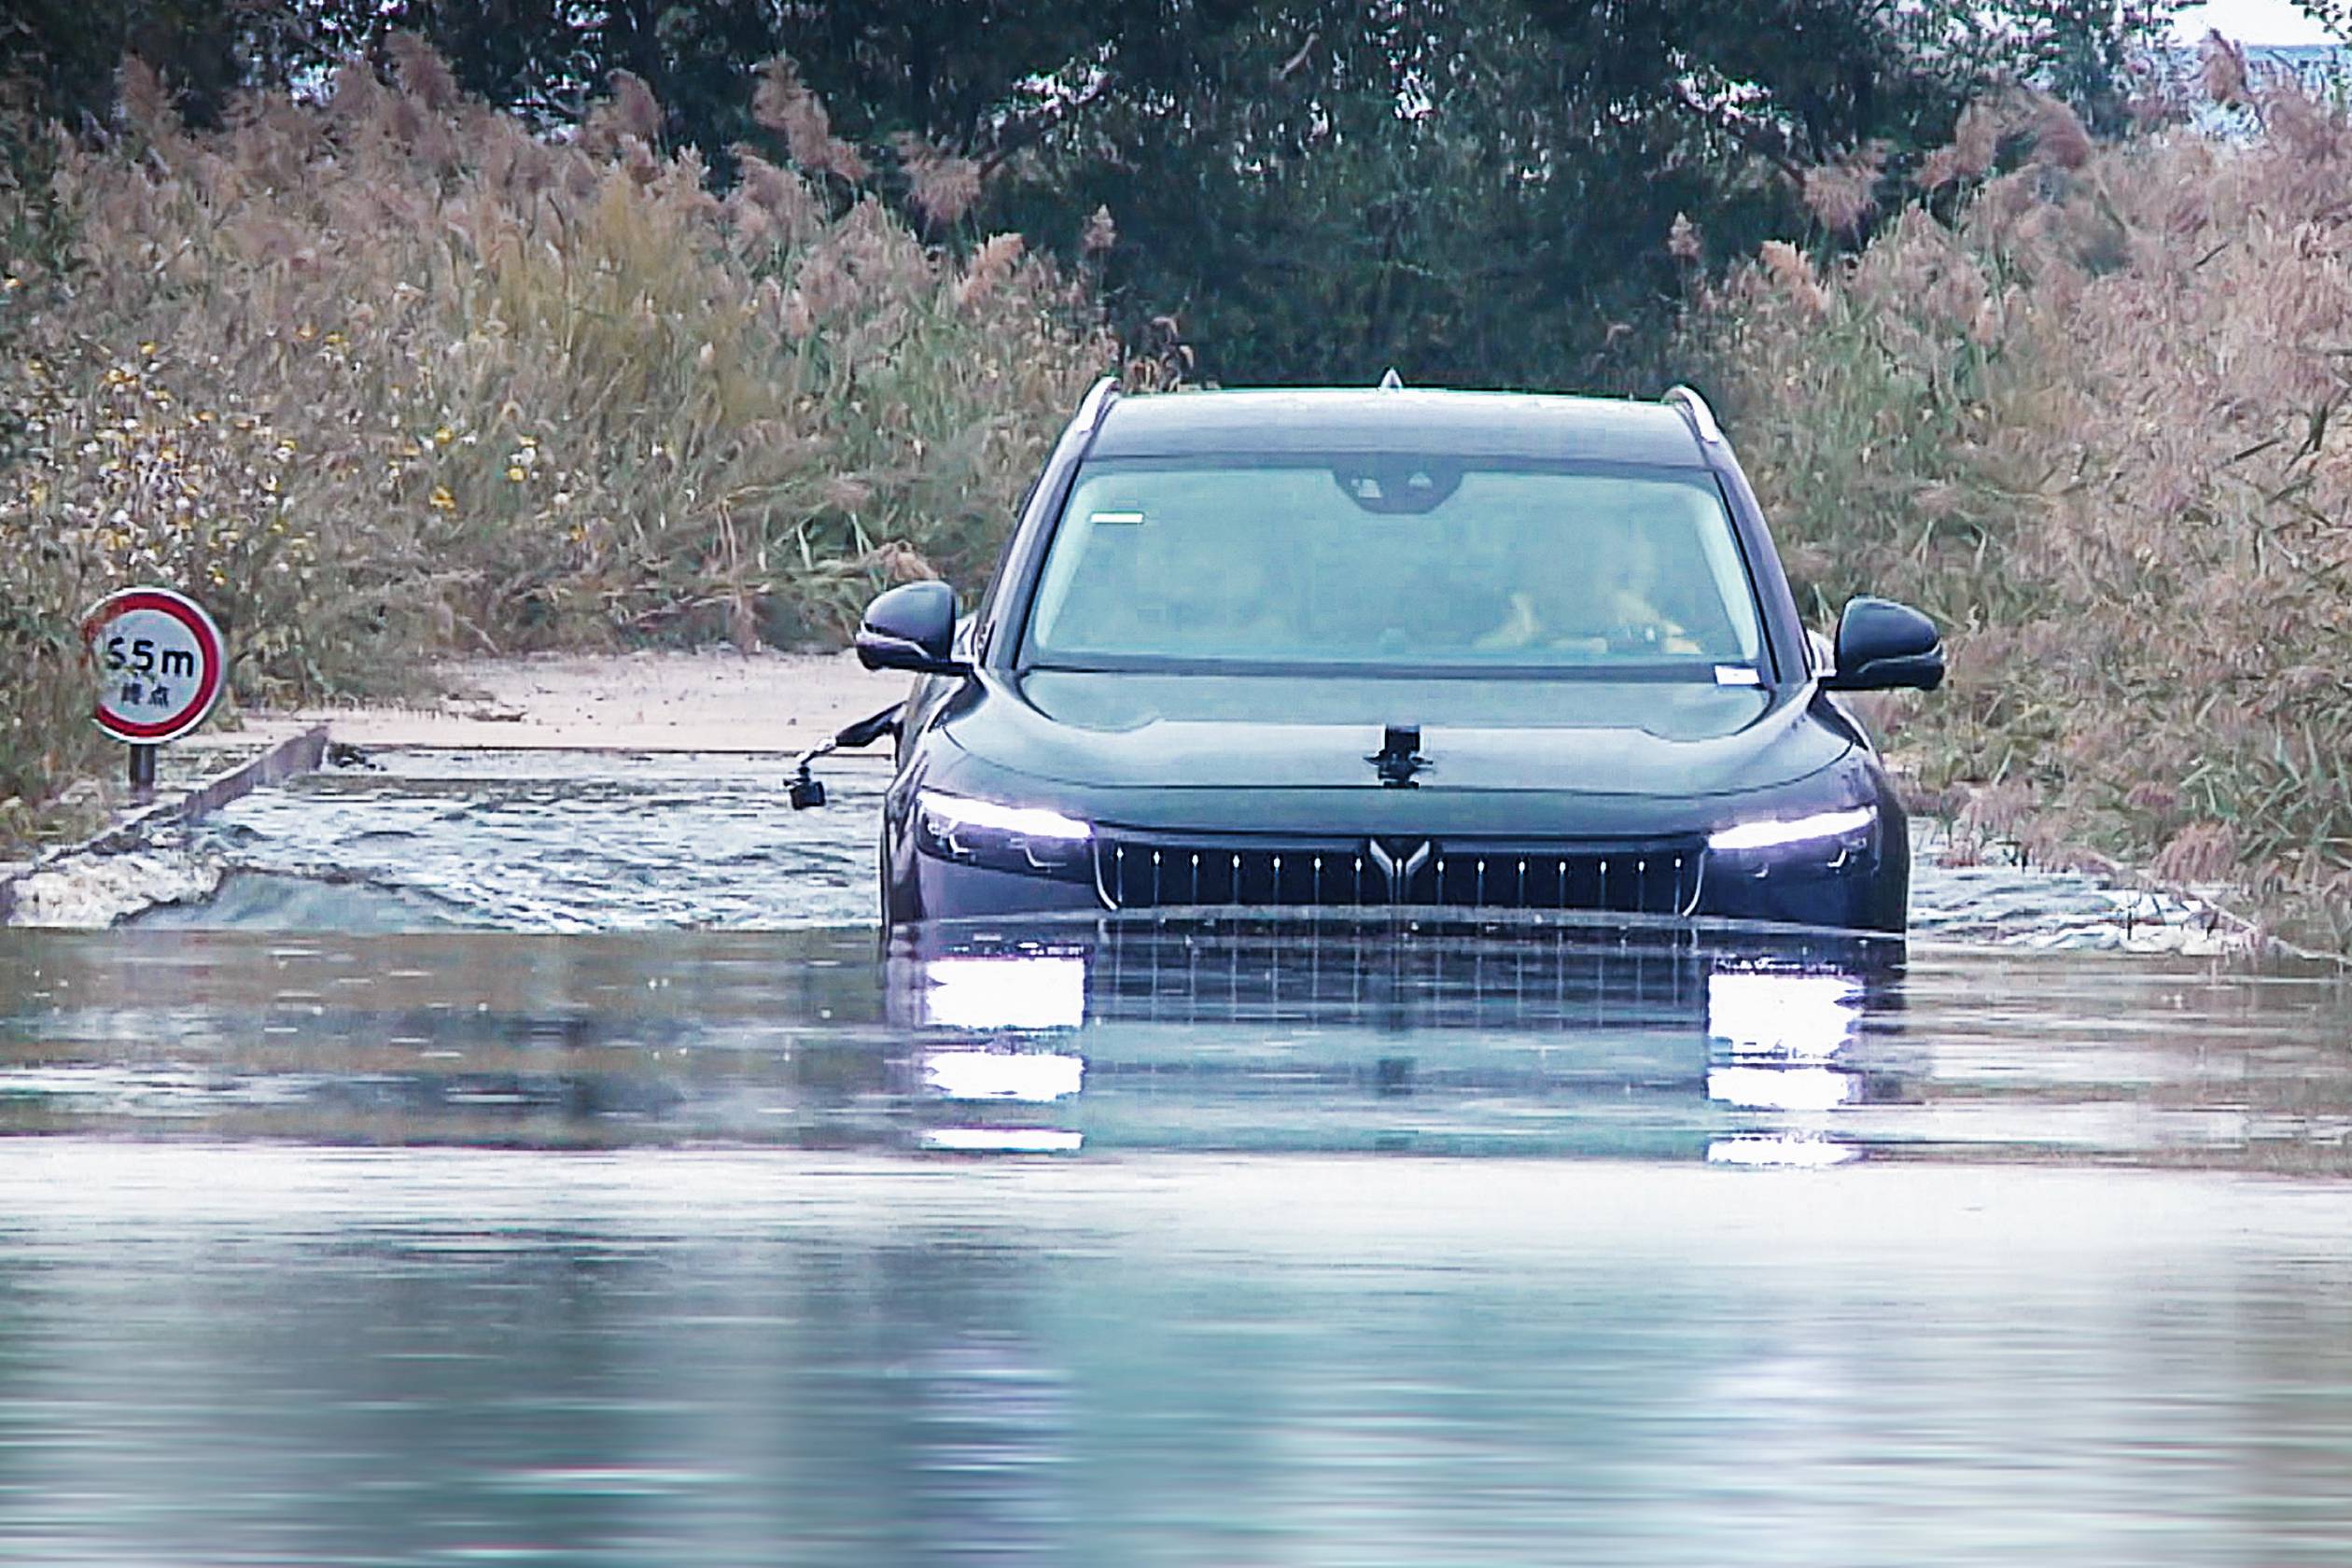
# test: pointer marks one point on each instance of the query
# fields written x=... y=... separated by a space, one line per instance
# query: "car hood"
x=1631 y=739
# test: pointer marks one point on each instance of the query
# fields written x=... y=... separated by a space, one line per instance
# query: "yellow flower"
x=306 y=331
x=441 y=500
x=334 y=340
x=515 y=474
x=443 y=436
x=145 y=348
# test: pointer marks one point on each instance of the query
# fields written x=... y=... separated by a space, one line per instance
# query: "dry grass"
x=388 y=375
x=2095 y=421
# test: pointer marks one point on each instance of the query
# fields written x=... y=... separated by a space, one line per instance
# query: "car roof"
x=1310 y=421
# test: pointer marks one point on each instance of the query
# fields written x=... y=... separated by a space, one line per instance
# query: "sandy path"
x=715 y=701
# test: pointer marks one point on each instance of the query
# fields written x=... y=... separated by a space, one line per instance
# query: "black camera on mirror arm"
x=806 y=789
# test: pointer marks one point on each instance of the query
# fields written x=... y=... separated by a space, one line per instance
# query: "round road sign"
x=161 y=664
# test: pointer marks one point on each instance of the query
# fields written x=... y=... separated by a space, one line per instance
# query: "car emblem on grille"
x=1398 y=860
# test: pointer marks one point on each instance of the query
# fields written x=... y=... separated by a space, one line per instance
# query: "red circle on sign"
x=211 y=672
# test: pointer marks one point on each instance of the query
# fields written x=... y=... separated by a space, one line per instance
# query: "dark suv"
x=1449 y=650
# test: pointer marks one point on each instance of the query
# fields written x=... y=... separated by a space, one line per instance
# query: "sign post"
x=161 y=665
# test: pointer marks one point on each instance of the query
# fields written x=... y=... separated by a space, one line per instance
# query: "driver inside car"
x=1596 y=601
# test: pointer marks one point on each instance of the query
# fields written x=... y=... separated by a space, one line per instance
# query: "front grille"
x=1135 y=871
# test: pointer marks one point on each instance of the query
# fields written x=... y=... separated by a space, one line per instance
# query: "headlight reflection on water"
x=1008 y=991
x=1783 y=1033
x=1778 y=1149
x=1018 y=994
x=1784 y=1017
x=1001 y=1140
x=1782 y=1088
x=1030 y=1077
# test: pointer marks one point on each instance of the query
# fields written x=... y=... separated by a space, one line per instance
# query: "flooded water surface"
x=283 y=1355
x=438 y=1193
x=1190 y=1241
x=1538 y=1038
x=551 y=841
x=545 y=841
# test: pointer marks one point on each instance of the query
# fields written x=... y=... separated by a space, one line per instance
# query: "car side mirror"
x=1882 y=644
x=911 y=627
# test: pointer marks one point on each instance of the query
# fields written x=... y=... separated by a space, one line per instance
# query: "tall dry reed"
x=2094 y=419
x=387 y=375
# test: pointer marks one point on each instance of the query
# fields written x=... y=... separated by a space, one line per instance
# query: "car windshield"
x=1427 y=563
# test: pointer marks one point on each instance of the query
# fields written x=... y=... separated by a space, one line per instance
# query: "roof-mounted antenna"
x=1392 y=382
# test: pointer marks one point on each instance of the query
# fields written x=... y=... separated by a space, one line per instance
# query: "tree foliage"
x=1475 y=191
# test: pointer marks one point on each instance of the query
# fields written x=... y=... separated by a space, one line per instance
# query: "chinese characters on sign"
x=159 y=660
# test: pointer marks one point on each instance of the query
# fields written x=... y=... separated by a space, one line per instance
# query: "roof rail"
x=1696 y=413
x=1096 y=403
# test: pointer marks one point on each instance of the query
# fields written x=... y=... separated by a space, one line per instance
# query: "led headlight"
x=1023 y=839
x=1830 y=834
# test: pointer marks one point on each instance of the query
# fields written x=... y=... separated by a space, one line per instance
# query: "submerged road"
x=552 y=840
x=492 y=1169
